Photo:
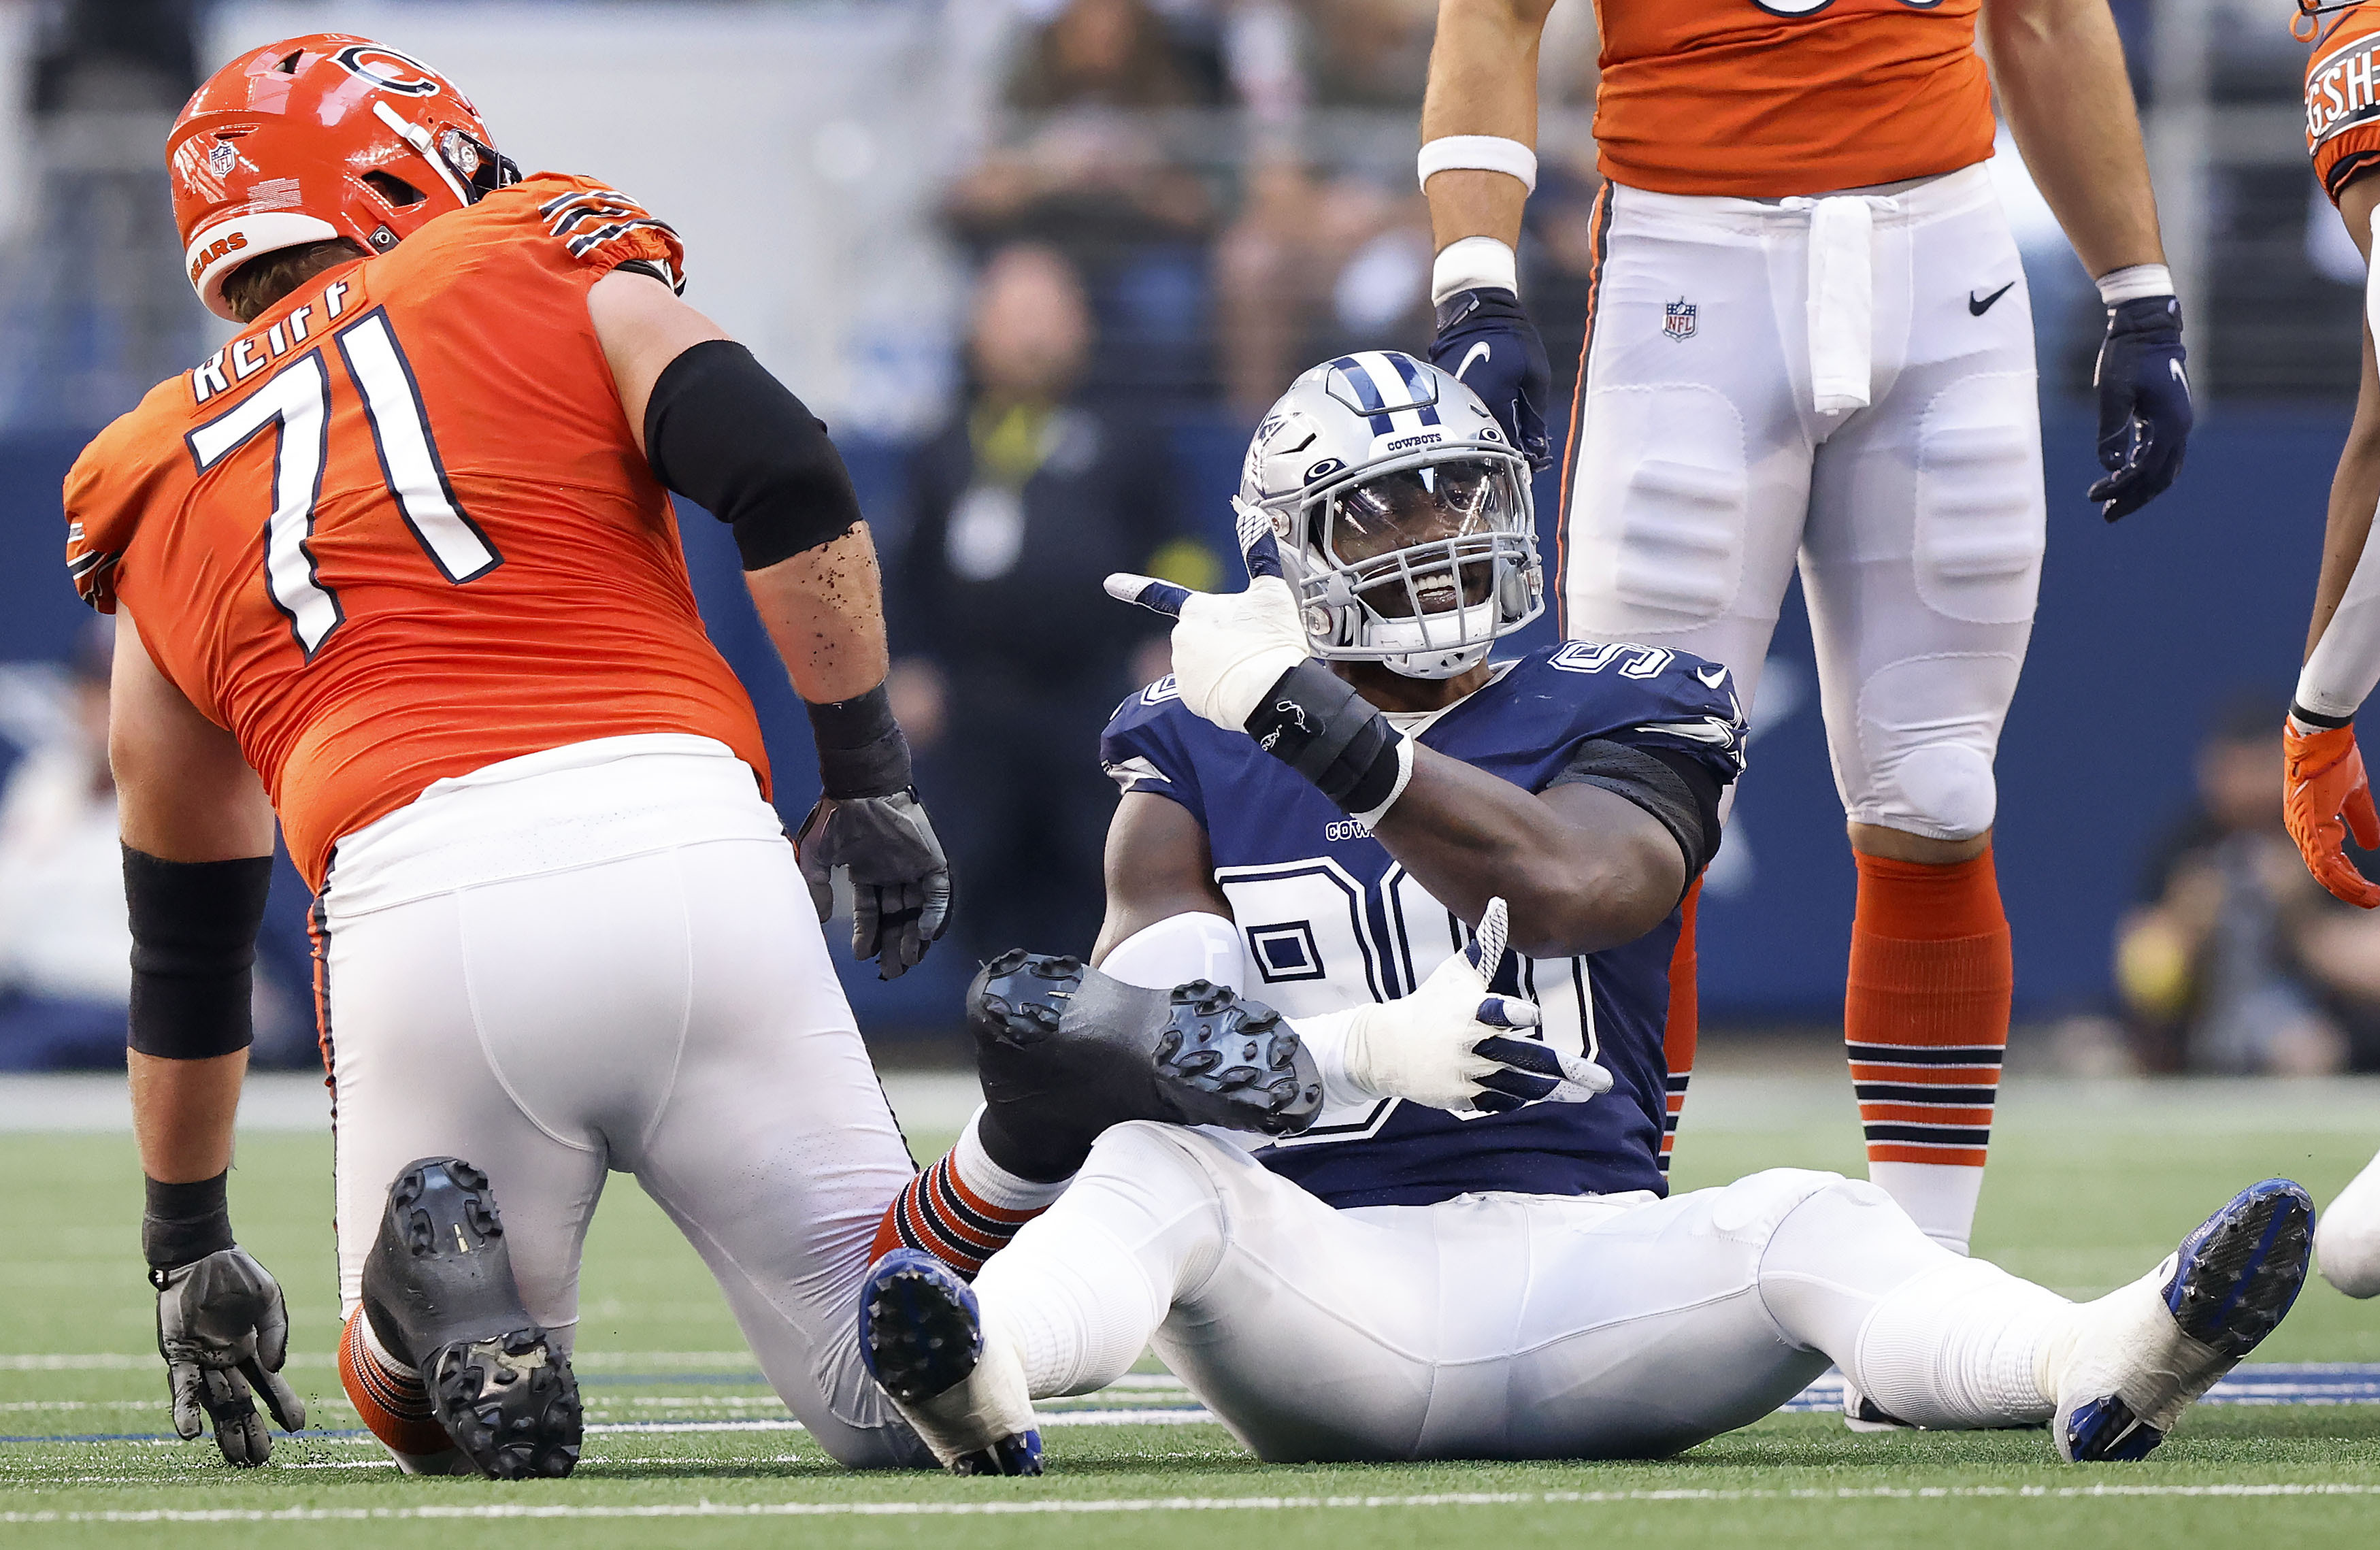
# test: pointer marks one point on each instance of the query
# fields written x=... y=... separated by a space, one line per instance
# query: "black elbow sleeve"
x=194 y=927
x=725 y=434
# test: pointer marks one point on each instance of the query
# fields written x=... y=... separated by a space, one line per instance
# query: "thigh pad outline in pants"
x=1922 y=620
x=1680 y=531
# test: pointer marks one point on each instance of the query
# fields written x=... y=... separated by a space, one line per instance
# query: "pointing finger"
x=1157 y=597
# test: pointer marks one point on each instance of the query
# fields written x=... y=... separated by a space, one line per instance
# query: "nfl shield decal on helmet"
x=1677 y=319
x=222 y=157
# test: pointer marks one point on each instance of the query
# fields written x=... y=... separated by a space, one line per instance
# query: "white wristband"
x=2134 y=283
x=1471 y=263
x=1478 y=153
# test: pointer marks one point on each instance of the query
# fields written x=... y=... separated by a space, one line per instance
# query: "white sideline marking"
x=1164 y=1503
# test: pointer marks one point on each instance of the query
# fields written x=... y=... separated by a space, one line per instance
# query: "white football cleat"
x=2143 y=1354
x=921 y=1337
x=2346 y=1242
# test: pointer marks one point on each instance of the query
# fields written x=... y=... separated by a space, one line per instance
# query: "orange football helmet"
x=321 y=137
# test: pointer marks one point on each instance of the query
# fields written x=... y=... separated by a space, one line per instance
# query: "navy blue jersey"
x=1330 y=920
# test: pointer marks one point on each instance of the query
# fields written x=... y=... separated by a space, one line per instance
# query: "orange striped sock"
x=391 y=1399
x=964 y=1209
x=1925 y=1015
x=1684 y=1025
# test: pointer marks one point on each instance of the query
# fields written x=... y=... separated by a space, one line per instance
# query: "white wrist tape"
x=1473 y=263
x=1478 y=153
x=2134 y=283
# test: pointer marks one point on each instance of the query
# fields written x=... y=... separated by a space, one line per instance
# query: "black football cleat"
x=439 y=1290
x=1065 y=1051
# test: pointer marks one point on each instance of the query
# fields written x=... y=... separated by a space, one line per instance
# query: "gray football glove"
x=220 y=1326
x=900 y=879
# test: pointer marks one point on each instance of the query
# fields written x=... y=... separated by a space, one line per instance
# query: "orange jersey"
x=1760 y=100
x=2342 y=99
x=398 y=530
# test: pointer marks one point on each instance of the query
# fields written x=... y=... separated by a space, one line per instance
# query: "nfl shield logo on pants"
x=1677 y=319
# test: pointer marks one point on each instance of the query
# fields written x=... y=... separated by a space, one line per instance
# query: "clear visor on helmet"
x=1425 y=540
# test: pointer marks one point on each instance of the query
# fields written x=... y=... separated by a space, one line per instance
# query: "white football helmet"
x=1398 y=512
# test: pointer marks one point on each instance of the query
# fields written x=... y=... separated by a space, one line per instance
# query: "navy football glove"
x=2143 y=404
x=1486 y=342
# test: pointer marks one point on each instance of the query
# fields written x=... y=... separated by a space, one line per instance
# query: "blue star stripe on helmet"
x=1367 y=393
x=1411 y=375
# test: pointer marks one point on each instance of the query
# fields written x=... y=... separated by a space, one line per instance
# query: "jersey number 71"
x=295 y=403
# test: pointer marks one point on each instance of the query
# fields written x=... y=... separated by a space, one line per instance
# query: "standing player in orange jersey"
x=2328 y=794
x=1810 y=342
x=398 y=566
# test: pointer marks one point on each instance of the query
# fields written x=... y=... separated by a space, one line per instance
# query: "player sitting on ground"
x=1334 y=785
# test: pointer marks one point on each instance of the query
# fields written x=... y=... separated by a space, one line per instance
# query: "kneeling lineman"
x=398 y=566
x=1328 y=806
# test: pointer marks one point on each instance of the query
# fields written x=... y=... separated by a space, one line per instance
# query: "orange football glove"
x=2324 y=784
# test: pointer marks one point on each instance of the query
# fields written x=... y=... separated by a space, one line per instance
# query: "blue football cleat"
x=921 y=1338
x=2150 y=1348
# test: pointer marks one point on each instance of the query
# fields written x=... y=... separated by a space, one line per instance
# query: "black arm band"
x=2316 y=718
x=1314 y=721
x=860 y=749
x=1676 y=788
x=183 y=1223
x=726 y=435
x=193 y=944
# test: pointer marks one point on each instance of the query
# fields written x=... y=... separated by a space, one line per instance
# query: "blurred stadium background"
x=1172 y=205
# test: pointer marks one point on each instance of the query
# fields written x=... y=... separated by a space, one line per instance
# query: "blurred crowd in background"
x=1041 y=263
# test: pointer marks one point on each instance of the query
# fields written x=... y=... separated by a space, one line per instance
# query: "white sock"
x=1934 y=1339
x=1939 y=1197
x=380 y=1352
x=1960 y=1346
x=991 y=1184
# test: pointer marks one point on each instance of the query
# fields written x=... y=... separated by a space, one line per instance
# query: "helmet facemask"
x=1419 y=564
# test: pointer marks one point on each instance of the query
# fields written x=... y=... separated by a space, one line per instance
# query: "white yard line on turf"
x=1174 y=1504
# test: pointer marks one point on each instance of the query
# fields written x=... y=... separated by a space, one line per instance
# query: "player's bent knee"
x=1941 y=791
x=1146 y=1150
x=1750 y=1208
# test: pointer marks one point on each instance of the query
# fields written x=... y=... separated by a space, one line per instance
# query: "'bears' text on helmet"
x=1399 y=512
x=321 y=137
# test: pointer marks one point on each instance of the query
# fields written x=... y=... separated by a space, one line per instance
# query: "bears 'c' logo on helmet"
x=388 y=70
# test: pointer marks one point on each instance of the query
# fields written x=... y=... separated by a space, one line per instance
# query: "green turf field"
x=2088 y=1187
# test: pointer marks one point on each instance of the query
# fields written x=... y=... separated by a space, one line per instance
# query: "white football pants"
x=1704 y=463
x=600 y=957
x=1503 y=1326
